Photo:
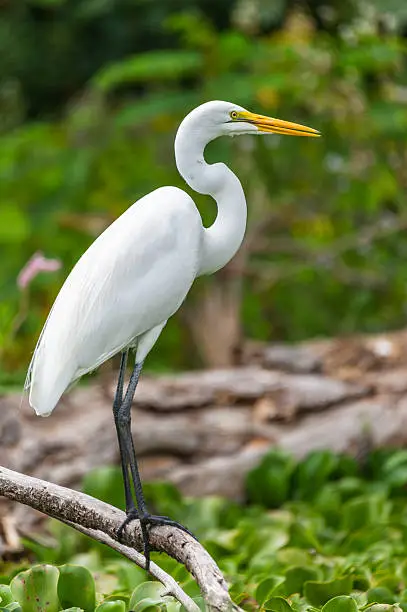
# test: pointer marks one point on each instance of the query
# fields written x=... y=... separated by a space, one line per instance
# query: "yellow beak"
x=278 y=126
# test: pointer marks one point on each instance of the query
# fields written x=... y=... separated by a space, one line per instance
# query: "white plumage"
x=131 y=280
x=138 y=272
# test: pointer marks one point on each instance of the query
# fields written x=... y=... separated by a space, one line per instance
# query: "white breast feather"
x=131 y=279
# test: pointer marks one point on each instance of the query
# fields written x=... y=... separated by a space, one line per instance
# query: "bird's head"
x=219 y=118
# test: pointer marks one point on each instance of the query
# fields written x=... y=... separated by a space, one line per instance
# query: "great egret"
x=123 y=289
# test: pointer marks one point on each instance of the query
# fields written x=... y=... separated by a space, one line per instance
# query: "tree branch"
x=101 y=521
x=171 y=587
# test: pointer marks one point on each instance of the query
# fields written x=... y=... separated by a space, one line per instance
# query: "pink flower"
x=36 y=264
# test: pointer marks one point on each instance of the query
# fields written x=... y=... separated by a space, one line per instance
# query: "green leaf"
x=318 y=592
x=277 y=604
x=129 y=574
x=341 y=603
x=76 y=587
x=383 y=607
x=315 y=468
x=112 y=606
x=6 y=595
x=364 y=511
x=295 y=578
x=36 y=589
x=143 y=110
x=269 y=483
x=361 y=579
x=169 y=65
x=124 y=597
x=265 y=588
x=380 y=594
x=174 y=606
x=153 y=591
x=191 y=587
x=276 y=538
x=303 y=536
x=14 y=606
x=149 y=603
x=105 y=483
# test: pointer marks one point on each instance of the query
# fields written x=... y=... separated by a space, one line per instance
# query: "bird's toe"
x=132 y=515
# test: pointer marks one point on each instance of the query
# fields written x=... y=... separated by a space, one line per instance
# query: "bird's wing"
x=131 y=279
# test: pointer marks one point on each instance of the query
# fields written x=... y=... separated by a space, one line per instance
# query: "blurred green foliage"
x=91 y=94
x=334 y=541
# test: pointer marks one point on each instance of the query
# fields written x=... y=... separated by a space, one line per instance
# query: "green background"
x=91 y=95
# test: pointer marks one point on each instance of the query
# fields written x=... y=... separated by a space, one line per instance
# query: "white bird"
x=120 y=294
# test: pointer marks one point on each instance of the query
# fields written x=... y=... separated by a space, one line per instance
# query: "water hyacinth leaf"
x=350 y=487
x=277 y=604
x=6 y=595
x=76 y=587
x=380 y=594
x=173 y=606
x=265 y=588
x=295 y=578
x=319 y=592
x=294 y=556
x=269 y=483
x=115 y=605
x=362 y=539
x=364 y=511
x=361 y=579
x=117 y=597
x=341 y=603
x=191 y=588
x=275 y=539
x=14 y=606
x=200 y=602
x=147 y=590
x=104 y=483
x=150 y=604
x=394 y=469
x=302 y=536
x=129 y=574
x=315 y=468
x=36 y=589
x=379 y=607
x=238 y=591
x=328 y=502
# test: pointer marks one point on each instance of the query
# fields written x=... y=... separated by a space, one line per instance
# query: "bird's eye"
x=234 y=114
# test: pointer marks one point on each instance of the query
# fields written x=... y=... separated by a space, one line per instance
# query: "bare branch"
x=171 y=587
x=92 y=515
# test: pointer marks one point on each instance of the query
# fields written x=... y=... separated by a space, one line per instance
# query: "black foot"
x=148 y=520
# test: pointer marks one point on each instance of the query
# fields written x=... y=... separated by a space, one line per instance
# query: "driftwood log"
x=204 y=430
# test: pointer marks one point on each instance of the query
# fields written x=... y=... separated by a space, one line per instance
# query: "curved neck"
x=222 y=239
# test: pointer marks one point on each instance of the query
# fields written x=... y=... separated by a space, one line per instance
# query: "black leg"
x=123 y=425
x=122 y=416
x=117 y=402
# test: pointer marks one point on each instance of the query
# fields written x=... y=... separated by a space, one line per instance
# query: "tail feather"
x=28 y=378
x=47 y=379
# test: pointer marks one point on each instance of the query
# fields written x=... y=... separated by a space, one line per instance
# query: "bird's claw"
x=147 y=521
x=157 y=521
x=132 y=515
